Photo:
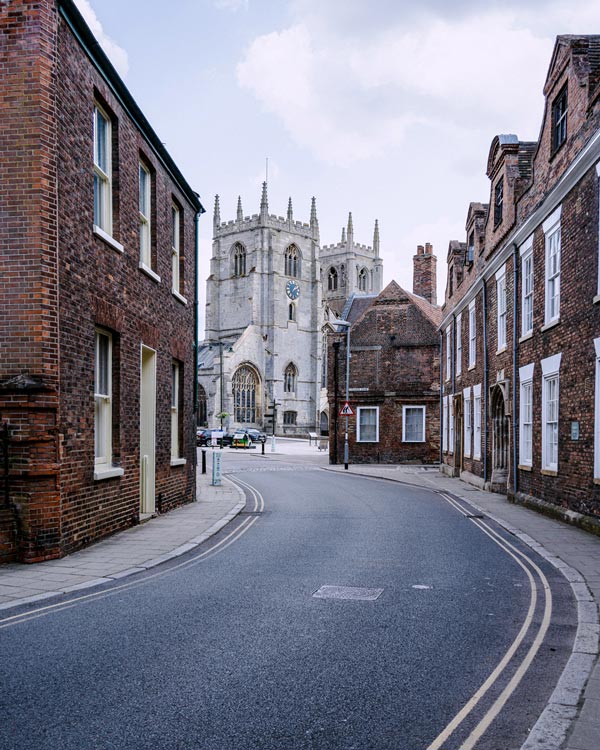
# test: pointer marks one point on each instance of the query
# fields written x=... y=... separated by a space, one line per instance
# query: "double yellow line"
x=219 y=546
x=527 y=564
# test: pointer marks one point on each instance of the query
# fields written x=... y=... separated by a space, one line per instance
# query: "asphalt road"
x=233 y=650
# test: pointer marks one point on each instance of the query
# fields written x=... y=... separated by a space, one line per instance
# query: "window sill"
x=110 y=241
x=178 y=461
x=414 y=442
x=149 y=272
x=472 y=367
x=372 y=442
x=551 y=324
x=596 y=299
x=501 y=350
x=108 y=473
x=477 y=458
x=525 y=467
x=526 y=337
x=179 y=297
x=549 y=473
x=597 y=480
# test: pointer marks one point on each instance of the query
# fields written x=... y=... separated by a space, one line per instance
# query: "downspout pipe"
x=515 y=369
x=196 y=303
x=442 y=426
x=485 y=382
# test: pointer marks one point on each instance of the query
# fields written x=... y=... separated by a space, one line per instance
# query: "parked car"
x=256 y=435
x=203 y=436
x=241 y=440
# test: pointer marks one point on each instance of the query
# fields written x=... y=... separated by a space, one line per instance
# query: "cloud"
x=231 y=5
x=117 y=55
x=347 y=97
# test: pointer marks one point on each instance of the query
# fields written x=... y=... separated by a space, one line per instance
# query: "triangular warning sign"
x=346 y=410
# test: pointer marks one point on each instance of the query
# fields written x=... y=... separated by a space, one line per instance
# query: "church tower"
x=350 y=268
x=263 y=320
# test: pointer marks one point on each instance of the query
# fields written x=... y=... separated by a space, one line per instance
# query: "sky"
x=385 y=108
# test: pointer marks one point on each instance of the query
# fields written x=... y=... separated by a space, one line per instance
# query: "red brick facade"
x=533 y=273
x=394 y=378
x=61 y=281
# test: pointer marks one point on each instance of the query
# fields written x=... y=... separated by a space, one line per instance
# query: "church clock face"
x=292 y=289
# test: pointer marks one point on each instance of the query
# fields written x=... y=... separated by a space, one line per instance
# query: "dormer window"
x=559 y=120
x=498 y=201
x=471 y=248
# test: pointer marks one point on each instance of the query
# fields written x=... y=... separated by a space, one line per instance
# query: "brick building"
x=97 y=291
x=521 y=319
x=394 y=380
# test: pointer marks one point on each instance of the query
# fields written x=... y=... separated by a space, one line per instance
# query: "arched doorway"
x=500 y=439
x=458 y=435
x=324 y=423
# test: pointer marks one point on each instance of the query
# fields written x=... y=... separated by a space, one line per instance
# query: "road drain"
x=347 y=592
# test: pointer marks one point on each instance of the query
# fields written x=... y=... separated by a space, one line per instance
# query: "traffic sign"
x=346 y=410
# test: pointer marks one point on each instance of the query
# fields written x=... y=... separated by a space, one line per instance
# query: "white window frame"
x=501 y=313
x=472 y=335
x=103 y=402
x=458 y=363
x=468 y=422
x=450 y=424
x=445 y=424
x=477 y=422
x=145 y=216
x=448 y=352
x=526 y=415
x=405 y=409
x=526 y=253
x=175 y=373
x=597 y=298
x=550 y=408
x=103 y=177
x=552 y=240
x=597 y=413
x=359 y=428
x=175 y=248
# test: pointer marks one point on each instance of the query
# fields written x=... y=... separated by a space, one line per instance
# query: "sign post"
x=216 y=468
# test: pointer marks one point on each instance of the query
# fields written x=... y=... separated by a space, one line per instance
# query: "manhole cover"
x=347 y=592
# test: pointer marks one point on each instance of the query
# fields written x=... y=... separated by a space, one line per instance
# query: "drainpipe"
x=196 y=309
x=485 y=383
x=441 y=399
x=514 y=379
x=336 y=353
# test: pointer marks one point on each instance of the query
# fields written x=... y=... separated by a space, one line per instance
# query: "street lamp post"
x=346 y=325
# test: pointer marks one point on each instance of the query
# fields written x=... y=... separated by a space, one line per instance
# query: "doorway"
x=500 y=440
x=148 y=431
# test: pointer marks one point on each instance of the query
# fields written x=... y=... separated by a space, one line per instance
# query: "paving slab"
x=131 y=551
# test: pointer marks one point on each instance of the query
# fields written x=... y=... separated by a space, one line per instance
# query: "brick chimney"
x=425 y=274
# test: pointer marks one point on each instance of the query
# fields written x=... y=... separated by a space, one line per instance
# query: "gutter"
x=103 y=65
x=485 y=383
x=514 y=378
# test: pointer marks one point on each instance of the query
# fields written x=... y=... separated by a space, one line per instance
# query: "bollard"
x=262 y=445
x=203 y=461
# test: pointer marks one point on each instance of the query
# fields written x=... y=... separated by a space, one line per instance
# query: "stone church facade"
x=272 y=294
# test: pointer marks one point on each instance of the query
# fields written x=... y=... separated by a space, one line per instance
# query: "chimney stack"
x=425 y=273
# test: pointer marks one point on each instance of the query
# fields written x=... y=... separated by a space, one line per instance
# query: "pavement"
x=571 y=720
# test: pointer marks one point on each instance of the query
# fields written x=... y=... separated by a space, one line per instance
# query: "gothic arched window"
x=291 y=311
x=244 y=386
x=292 y=261
x=362 y=280
x=202 y=406
x=239 y=259
x=289 y=378
x=332 y=280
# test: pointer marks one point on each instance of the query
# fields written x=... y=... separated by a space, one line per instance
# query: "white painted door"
x=148 y=430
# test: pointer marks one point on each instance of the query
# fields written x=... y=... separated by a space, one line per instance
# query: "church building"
x=271 y=297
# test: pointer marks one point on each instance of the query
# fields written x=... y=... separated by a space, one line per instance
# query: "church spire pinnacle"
x=264 y=203
x=290 y=212
x=240 y=213
x=216 y=214
x=350 y=228
x=343 y=235
x=314 y=222
x=376 y=239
